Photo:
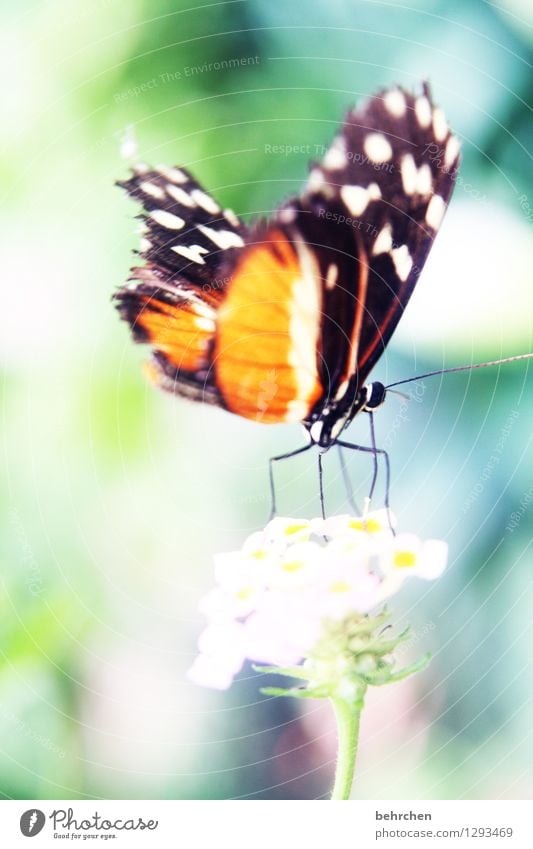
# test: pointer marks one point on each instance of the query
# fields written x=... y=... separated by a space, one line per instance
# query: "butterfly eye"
x=375 y=395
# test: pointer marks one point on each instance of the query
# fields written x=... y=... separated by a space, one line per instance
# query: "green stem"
x=348 y=717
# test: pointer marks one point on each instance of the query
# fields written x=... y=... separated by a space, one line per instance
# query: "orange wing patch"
x=267 y=333
x=181 y=331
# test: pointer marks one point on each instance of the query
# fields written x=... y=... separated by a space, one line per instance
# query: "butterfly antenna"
x=462 y=368
x=402 y=395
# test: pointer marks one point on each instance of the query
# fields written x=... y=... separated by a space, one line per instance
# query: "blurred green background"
x=115 y=497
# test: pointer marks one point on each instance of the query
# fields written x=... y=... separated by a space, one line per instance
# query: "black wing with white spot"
x=183 y=230
x=171 y=301
x=370 y=212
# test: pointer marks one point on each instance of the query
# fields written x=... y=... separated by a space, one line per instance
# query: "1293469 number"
x=488 y=831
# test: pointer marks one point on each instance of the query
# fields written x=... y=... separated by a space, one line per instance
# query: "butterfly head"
x=327 y=425
x=375 y=394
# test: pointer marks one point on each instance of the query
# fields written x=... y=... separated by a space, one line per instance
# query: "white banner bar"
x=267 y=825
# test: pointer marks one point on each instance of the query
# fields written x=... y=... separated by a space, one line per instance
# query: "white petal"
x=208 y=672
x=224 y=641
x=433 y=559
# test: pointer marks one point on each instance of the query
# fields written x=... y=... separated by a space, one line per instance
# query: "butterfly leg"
x=375 y=451
x=271 y=474
x=386 y=460
x=321 y=485
x=375 y=462
x=347 y=482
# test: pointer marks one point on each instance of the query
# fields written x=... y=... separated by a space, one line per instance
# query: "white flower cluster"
x=274 y=596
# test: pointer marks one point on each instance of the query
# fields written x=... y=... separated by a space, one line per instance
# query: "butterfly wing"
x=277 y=322
x=171 y=302
x=229 y=315
x=316 y=294
x=265 y=355
x=370 y=212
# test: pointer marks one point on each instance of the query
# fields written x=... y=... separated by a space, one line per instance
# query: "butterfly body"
x=282 y=320
x=325 y=427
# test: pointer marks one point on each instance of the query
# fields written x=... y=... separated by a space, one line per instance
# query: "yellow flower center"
x=404 y=559
x=293 y=529
x=292 y=565
x=258 y=554
x=244 y=593
x=371 y=526
x=340 y=587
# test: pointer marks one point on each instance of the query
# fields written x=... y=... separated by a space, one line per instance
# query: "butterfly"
x=283 y=319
